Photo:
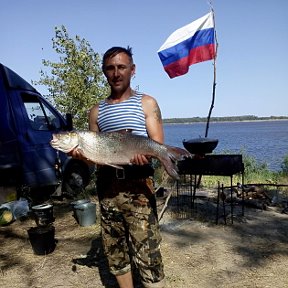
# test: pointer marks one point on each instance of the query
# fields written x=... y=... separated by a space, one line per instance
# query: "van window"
x=40 y=115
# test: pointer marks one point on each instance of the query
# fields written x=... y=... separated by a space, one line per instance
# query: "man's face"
x=118 y=71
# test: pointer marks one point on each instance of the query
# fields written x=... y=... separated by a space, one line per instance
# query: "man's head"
x=118 y=67
x=116 y=50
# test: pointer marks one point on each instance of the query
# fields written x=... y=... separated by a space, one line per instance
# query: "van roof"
x=14 y=81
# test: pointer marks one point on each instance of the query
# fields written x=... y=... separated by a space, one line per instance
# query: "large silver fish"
x=116 y=148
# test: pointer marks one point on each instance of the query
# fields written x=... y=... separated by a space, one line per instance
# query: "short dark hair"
x=116 y=50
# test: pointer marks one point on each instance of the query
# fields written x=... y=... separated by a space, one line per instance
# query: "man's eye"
x=114 y=68
x=109 y=68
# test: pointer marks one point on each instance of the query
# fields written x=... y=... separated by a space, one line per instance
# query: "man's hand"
x=77 y=154
x=139 y=159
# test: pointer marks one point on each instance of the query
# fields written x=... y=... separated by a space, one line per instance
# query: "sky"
x=251 y=66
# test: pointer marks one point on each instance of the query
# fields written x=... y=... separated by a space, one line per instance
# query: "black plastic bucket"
x=42 y=239
x=43 y=214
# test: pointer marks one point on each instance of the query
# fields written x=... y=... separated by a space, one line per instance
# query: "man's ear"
x=133 y=68
x=103 y=70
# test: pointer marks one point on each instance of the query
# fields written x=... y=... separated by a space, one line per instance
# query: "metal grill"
x=211 y=164
x=219 y=165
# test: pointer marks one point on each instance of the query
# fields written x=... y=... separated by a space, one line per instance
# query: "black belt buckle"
x=120 y=173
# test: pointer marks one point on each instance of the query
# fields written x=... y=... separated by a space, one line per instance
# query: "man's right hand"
x=77 y=154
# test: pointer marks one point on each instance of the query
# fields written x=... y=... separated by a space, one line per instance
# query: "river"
x=266 y=141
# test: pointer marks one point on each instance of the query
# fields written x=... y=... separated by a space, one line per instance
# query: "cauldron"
x=200 y=145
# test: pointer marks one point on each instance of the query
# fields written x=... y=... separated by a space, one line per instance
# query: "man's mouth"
x=117 y=80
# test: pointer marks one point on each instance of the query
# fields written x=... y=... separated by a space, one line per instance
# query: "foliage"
x=256 y=172
x=284 y=166
x=76 y=83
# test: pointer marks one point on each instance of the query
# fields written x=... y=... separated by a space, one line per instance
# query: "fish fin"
x=174 y=155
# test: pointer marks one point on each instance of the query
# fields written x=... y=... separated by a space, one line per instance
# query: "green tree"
x=76 y=83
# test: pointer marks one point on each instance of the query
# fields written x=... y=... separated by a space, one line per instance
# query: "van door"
x=40 y=120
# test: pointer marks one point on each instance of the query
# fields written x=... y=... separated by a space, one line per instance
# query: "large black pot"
x=200 y=145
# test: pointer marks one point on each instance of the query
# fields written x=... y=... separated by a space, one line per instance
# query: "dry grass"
x=197 y=253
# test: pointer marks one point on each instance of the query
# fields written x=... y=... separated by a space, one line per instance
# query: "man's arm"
x=93 y=116
x=154 y=125
x=93 y=126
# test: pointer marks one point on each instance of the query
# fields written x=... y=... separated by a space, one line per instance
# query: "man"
x=129 y=223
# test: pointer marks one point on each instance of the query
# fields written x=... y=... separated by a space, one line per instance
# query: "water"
x=266 y=141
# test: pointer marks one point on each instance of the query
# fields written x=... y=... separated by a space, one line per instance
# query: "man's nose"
x=116 y=72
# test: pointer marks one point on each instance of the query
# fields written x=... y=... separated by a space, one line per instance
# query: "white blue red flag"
x=189 y=45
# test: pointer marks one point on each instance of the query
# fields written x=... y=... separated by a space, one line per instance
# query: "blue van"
x=27 y=121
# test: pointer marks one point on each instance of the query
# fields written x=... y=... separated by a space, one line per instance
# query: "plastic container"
x=19 y=208
x=42 y=239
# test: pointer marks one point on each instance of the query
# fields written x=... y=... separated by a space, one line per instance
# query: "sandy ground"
x=251 y=252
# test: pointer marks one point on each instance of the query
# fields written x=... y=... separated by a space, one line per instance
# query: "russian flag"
x=189 y=45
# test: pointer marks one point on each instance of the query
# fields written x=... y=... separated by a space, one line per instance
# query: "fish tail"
x=171 y=168
x=174 y=155
x=177 y=153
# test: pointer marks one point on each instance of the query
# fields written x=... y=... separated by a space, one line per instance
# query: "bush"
x=284 y=165
x=254 y=172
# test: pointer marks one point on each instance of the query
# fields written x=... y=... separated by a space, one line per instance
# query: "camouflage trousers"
x=130 y=230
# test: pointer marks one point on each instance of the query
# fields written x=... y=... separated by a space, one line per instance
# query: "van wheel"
x=76 y=178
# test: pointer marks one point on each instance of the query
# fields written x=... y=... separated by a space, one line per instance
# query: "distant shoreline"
x=196 y=120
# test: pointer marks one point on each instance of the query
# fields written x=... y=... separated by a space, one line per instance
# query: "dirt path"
x=253 y=252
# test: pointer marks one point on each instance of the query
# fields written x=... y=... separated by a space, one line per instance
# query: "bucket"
x=43 y=214
x=86 y=214
x=42 y=239
x=78 y=202
x=75 y=203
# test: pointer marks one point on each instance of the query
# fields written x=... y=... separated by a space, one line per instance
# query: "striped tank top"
x=128 y=114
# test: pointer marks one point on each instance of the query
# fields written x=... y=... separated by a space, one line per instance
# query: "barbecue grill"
x=211 y=164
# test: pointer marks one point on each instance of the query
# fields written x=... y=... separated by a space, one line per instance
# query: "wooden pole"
x=214 y=79
x=213 y=87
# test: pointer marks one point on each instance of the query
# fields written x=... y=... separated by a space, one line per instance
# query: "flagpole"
x=214 y=77
x=213 y=87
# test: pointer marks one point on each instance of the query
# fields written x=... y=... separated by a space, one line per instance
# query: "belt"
x=128 y=172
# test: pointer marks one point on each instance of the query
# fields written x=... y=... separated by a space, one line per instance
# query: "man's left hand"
x=139 y=159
